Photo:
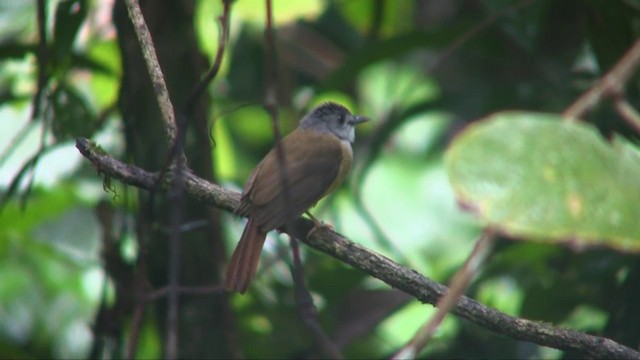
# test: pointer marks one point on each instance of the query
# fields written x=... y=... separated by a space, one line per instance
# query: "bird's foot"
x=317 y=225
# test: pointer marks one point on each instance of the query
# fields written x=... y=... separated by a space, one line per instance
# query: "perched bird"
x=317 y=157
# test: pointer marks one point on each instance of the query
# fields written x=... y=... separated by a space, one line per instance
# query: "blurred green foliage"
x=420 y=69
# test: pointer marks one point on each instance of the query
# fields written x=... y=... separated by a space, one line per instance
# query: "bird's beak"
x=357 y=119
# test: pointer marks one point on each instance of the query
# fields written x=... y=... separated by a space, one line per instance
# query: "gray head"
x=332 y=118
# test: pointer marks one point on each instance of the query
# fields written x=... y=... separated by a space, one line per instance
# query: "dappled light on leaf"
x=534 y=176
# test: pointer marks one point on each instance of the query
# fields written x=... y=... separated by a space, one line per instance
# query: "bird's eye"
x=342 y=119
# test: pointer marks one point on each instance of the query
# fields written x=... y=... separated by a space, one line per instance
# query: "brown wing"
x=245 y=202
x=313 y=162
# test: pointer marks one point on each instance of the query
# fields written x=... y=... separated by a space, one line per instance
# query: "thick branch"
x=376 y=265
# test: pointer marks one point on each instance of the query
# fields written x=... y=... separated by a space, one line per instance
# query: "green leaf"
x=534 y=176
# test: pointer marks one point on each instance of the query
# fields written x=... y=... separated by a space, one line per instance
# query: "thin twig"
x=153 y=67
x=43 y=78
x=32 y=171
x=458 y=286
x=217 y=63
x=271 y=105
x=307 y=309
x=271 y=91
x=136 y=325
x=141 y=288
x=627 y=112
x=15 y=141
x=177 y=199
x=612 y=84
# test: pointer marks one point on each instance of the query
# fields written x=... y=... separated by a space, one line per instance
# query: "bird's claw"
x=319 y=225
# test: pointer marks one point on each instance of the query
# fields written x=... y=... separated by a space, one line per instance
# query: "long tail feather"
x=244 y=261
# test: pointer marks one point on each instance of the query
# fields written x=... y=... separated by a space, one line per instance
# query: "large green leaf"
x=534 y=176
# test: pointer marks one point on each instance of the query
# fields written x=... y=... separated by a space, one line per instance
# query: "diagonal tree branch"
x=610 y=84
x=376 y=265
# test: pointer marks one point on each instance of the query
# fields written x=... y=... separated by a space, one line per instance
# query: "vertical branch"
x=140 y=285
x=271 y=92
x=177 y=195
x=271 y=95
x=136 y=325
x=32 y=166
x=217 y=62
x=153 y=67
x=271 y=105
x=307 y=309
x=308 y=312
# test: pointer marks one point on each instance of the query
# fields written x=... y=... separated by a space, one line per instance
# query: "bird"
x=317 y=156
